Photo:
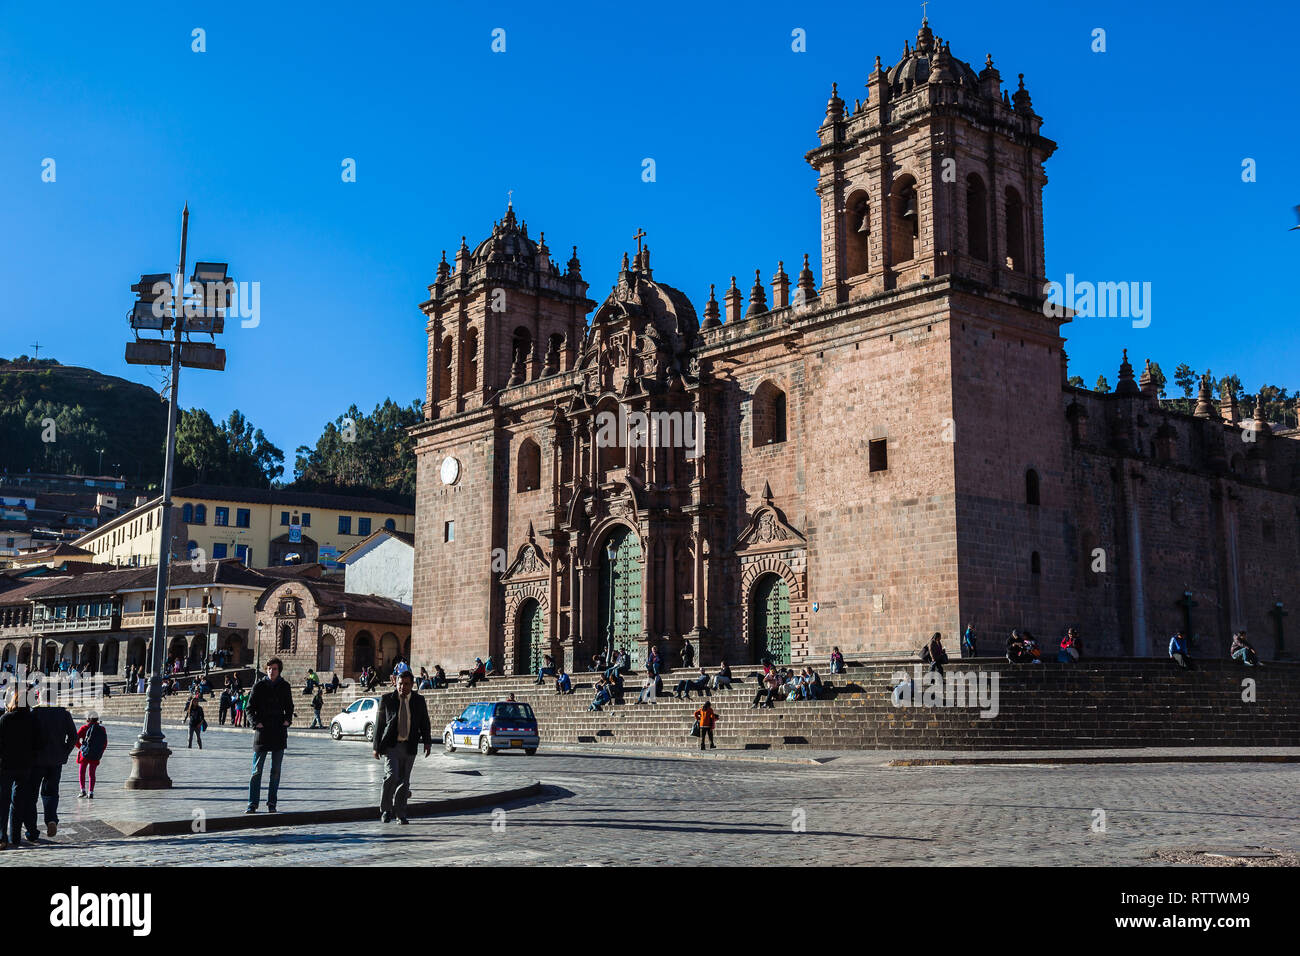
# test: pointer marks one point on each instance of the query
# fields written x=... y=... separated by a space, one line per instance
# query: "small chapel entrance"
x=528 y=638
x=769 y=616
x=619 y=613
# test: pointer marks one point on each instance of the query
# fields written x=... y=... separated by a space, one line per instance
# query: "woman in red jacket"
x=92 y=741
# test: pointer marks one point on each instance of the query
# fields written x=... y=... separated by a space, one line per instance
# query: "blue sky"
x=1145 y=186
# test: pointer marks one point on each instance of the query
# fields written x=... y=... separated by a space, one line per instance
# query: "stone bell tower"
x=937 y=172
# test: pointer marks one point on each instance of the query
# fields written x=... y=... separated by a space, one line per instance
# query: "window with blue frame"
x=222 y=517
x=243 y=553
x=200 y=514
x=306 y=519
x=242 y=518
x=218 y=551
x=187 y=513
x=284 y=518
x=345 y=524
x=390 y=524
x=363 y=526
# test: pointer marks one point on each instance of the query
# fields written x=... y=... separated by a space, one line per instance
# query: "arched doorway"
x=10 y=656
x=90 y=657
x=69 y=653
x=109 y=659
x=389 y=649
x=529 y=639
x=25 y=655
x=177 y=650
x=235 y=648
x=325 y=656
x=135 y=652
x=363 y=652
x=769 y=615
x=619 y=601
x=50 y=657
x=198 y=647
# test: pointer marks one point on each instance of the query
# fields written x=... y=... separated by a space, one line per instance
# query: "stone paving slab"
x=323 y=781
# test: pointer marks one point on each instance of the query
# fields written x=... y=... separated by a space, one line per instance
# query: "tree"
x=1102 y=385
x=1075 y=380
x=358 y=452
x=232 y=453
x=1230 y=387
x=1158 y=379
x=1185 y=378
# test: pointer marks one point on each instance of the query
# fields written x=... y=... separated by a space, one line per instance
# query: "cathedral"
x=854 y=465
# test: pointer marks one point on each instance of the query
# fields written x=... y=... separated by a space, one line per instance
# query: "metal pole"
x=149 y=758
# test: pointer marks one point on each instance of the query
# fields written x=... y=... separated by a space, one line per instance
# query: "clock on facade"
x=450 y=470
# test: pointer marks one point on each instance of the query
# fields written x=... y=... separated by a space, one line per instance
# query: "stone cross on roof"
x=640 y=234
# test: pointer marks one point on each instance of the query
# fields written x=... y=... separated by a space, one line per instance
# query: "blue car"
x=499 y=725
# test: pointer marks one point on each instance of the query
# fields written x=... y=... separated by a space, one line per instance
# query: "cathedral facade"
x=858 y=464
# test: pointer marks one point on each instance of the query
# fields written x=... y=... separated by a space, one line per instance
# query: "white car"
x=357 y=719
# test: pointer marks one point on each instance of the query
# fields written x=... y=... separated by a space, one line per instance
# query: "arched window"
x=190 y=548
x=1015 y=231
x=444 y=380
x=521 y=354
x=200 y=514
x=977 y=218
x=1035 y=564
x=528 y=474
x=768 y=411
x=554 y=353
x=904 y=218
x=363 y=652
x=187 y=512
x=469 y=363
x=390 y=524
x=857 y=233
x=1031 y=487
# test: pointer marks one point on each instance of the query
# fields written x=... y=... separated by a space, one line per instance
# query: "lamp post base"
x=149 y=767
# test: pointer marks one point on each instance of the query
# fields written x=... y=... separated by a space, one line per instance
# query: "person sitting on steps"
x=1242 y=652
x=699 y=685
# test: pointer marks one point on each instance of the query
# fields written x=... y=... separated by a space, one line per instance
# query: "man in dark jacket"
x=270 y=711
x=224 y=705
x=403 y=725
x=59 y=731
x=20 y=741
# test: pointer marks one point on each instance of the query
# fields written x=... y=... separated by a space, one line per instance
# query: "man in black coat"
x=403 y=725
x=59 y=731
x=20 y=742
x=270 y=711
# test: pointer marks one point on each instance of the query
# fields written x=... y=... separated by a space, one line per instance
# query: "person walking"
x=968 y=641
x=223 y=707
x=92 y=738
x=59 y=735
x=403 y=725
x=707 y=718
x=197 y=723
x=317 y=702
x=935 y=653
x=1178 y=652
x=20 y=742
x=270 y=712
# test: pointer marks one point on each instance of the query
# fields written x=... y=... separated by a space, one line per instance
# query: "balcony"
x=74 y=624
x=182 y=617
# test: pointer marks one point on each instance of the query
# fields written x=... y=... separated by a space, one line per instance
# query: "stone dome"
x=917 y=64
x=509 y=242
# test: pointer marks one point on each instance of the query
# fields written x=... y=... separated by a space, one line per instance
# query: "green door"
x=530 y=636
x=620 y=591
x=770 y=614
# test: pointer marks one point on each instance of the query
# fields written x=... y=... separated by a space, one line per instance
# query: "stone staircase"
x=1097 y=703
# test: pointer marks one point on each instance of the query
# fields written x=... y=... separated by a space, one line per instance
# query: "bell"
x=909 y=210
x=865 y=225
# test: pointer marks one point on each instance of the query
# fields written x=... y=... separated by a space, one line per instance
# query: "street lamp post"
x=151 y=312
x=257 y=666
